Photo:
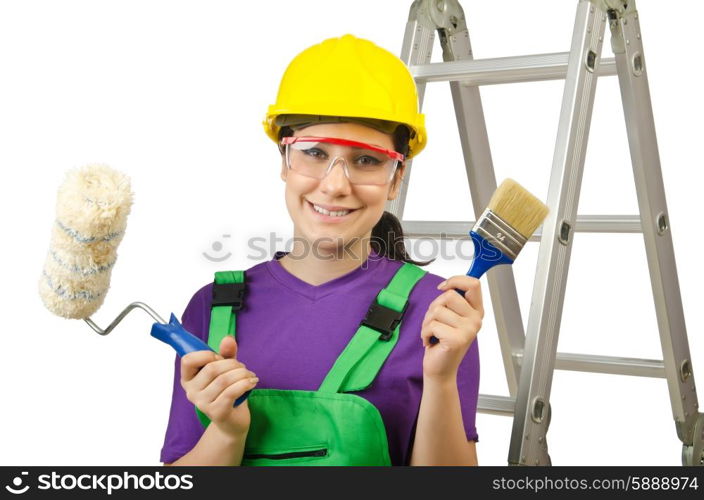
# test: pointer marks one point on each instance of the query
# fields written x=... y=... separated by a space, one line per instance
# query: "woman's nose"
x=335 y=179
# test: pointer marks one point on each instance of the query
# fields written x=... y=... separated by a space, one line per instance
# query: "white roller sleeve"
x=91 y=214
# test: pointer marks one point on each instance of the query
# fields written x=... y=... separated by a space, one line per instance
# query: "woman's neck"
x=318 y=265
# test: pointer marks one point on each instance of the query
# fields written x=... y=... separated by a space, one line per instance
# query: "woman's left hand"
x=454 y=320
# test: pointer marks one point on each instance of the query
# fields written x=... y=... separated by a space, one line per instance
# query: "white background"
x=173 y=94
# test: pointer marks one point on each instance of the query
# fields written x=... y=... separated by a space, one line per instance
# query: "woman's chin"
x=327 y=240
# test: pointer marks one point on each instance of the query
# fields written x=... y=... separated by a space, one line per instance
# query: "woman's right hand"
x=214 y=381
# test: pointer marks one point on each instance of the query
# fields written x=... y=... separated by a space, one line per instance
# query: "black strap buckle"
x=383 y=319
x=228 y=294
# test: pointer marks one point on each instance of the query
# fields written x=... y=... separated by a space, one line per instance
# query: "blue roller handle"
x=183 y=342
x=486 y=256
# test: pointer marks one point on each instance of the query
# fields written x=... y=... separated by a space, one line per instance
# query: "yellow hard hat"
x=349 y=77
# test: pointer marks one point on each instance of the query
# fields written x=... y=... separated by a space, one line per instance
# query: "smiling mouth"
x=330 y=213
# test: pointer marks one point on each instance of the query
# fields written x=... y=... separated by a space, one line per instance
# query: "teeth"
x=327 y=212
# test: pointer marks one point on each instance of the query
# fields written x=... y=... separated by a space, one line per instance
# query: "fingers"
x=223 y=383
x=472 y=296
x=448 y=336
x=440 y=331
x=452 y=318
x=205 y=372
x=453 y=301
x=442 y=314
x=192 y=362
x=227 y=397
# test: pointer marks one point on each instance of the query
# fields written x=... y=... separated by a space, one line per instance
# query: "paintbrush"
x=503 y=229
x=510 y=219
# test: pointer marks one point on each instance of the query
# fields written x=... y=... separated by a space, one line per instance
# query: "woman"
x=346 y=119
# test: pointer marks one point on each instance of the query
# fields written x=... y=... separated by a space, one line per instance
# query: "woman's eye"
x=315 y=153
x=368 y=161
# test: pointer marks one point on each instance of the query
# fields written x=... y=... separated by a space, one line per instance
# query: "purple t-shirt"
x=291 y=332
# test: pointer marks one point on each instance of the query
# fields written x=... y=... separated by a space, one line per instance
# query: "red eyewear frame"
x=395 y=155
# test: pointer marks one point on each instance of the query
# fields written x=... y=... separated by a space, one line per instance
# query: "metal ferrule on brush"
x=496 y=231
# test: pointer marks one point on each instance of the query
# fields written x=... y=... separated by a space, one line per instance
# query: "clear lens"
x=362 y=166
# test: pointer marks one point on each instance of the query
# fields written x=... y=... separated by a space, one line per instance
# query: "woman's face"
x=335 y=192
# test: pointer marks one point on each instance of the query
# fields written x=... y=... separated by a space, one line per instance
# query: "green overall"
x=328 y=426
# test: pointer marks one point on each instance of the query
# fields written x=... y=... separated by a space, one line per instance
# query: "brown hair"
x=387 y=235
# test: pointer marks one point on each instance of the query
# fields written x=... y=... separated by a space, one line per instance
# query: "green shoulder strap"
x=228 y=295
x=226 y=301
x=358 y=365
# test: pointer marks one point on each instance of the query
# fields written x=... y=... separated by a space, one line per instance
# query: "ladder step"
x=496 y=405
x=608 y=364
x=504 y=406
x=512 y=69
x=460 y=229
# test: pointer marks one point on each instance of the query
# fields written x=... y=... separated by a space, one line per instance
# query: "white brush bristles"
x=518 y=207
x=91 y=215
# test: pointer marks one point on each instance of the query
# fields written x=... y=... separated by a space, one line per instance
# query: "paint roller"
x=92 y=206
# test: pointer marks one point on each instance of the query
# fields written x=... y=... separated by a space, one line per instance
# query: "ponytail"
x=387 y=240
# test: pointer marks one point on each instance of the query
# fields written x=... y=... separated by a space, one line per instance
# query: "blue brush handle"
x=486 y=256
x=183 y=342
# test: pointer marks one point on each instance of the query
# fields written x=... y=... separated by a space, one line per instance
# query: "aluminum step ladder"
x=529 y=358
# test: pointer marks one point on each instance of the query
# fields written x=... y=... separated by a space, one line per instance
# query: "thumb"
x=228 y=347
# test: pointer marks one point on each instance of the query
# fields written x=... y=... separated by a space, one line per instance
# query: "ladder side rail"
x=532 y=412
x=417 y=48
x=469 y=113
x=630 y=62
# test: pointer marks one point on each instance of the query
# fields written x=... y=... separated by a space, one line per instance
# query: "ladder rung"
x=608 y=364
x=512 y=69
x=502 y=405
x=496 y=405
x=460 y=229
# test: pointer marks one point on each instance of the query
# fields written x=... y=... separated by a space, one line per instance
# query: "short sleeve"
x=184 y=430
x=468 y=388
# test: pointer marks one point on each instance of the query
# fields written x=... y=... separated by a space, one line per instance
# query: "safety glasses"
x=363 y=164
